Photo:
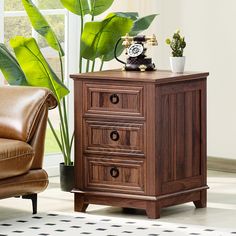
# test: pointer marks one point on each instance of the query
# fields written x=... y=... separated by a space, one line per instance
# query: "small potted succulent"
x=177 y=45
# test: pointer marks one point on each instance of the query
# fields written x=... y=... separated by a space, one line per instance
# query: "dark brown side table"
x=140 y=139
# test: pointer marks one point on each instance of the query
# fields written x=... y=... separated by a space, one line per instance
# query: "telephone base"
x=141 y=67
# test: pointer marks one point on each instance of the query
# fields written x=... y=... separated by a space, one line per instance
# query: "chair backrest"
x=20 y=109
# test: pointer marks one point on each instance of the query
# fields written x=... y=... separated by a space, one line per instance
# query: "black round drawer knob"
x=114 y=99
x=114 y=172
x=114 y=135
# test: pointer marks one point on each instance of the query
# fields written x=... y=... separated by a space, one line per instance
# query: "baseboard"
x=221 y=164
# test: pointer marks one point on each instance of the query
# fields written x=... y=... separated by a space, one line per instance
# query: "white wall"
x=210 y=32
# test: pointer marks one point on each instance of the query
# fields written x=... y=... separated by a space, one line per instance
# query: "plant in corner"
x=177 y=45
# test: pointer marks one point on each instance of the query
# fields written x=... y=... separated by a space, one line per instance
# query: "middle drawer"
x=111 y=137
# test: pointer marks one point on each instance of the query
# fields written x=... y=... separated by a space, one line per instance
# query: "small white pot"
x=177 y=64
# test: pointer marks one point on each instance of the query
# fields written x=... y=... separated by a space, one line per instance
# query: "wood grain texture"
x=158 y=77
x=140 y=139
x=202 y=202
x=78 y=121
x=114 y=174
x=113 y=137
x=180 y=127
x=151 y=142
x=113 y=99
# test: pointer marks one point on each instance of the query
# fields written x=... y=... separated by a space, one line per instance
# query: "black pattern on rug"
x=60 y=224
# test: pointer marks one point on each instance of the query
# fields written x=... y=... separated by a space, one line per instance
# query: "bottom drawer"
x=113 y=174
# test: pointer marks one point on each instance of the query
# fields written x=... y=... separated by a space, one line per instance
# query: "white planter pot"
x=177 y=64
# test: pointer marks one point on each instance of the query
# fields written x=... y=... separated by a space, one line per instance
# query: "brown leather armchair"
x=23 y=121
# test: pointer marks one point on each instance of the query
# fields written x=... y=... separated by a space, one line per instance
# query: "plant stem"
x=63 y=145
x=71 y=142
x=93 y=65
x=93 y=7
x=87 y=66
x=102 y=63
x=81 y=32
x=64 y=132
x=80 y=57
x=55 y=134
x=64 y=103
x=88 y=61
x=64 y=120
x=62 y=71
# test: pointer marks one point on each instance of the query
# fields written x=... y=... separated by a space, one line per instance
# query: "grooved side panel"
x=188 y=133
x=180 y=135
x=196 y=128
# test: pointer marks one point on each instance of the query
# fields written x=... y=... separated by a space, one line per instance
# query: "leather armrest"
x=20 y=109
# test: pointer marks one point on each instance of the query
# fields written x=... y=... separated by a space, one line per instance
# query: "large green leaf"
x=11 y=68
x=132 y=15
x=84 y=7
x=111 y=54
x=142 y=24
x=78 y=7
x=41 y=25
x=36 y=69
x=99 y=38
x=99 y=6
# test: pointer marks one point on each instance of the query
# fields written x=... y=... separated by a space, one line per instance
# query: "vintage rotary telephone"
x=137 y=60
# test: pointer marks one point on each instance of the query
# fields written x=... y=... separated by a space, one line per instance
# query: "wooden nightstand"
x=140 y=139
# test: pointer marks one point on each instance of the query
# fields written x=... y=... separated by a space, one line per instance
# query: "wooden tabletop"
x=158 y=76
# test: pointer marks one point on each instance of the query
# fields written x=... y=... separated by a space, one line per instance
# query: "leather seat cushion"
x=16 y=158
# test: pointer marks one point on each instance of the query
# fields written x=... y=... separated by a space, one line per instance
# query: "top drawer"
x=113 y=99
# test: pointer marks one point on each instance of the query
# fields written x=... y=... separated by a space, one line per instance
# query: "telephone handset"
x=135 y=49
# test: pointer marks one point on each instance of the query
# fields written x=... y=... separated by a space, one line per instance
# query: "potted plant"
x=177 y=45
x=29 y=67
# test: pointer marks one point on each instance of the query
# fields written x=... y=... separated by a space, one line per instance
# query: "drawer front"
x=113 y=99
x=113 y=174
x=110 y=137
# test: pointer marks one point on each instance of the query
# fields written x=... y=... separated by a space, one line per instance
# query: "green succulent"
x=177 y=44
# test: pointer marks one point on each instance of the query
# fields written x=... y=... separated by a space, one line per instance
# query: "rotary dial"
x=135 y=50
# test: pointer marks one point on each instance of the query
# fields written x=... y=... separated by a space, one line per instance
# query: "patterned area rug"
x=61 y=224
